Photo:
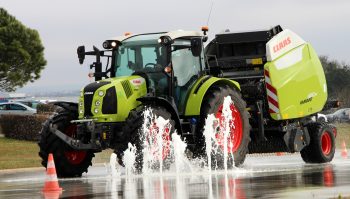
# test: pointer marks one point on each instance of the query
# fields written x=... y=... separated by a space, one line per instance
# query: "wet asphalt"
x=262 y=176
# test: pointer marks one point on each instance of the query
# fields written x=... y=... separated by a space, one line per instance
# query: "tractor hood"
x=110 y=100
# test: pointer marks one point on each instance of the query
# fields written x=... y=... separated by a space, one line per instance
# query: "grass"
x=18 y=154
x=343 y=134
x=24 y=154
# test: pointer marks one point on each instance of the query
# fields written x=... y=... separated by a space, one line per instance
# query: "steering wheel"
x=150 y=64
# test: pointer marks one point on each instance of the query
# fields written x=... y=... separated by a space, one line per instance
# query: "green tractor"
x=273 y=77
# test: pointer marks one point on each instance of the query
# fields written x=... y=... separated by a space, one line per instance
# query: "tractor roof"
x=172 y=34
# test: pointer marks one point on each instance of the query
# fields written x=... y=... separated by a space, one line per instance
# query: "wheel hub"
x=153 y=142
x=326 y=143
x=73 y=156
x=236 y=129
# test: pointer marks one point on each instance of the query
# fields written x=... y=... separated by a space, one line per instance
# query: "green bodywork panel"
x=299 y=80
x=198 y=91
x=126 y=98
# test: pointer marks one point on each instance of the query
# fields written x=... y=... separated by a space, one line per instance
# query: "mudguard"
x=201 y=87
x=168 y=104
x=69 y=106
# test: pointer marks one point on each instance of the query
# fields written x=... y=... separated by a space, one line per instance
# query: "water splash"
x=113 y=167
x=225 y=124
x=182 y=163
x=209 y=134
x=129 y=159
x=218 y=139
x=156 y=141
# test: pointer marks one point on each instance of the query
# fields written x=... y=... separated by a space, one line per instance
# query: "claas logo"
x=282 y=44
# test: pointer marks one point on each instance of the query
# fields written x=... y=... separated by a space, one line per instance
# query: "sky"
x=64 y=25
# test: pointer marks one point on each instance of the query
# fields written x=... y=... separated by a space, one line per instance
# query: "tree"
x=338 y=79
x=21 y=53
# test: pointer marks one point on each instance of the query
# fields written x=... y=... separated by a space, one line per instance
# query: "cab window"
x=185 y=65
x=17 y=107
x=2 y=106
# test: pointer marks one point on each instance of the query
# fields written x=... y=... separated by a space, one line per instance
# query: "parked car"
x=320 y=118
x=30 y=103
x=341 y=115
x=15 y=108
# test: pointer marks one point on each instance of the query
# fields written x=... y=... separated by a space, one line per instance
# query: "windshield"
x=141 y=53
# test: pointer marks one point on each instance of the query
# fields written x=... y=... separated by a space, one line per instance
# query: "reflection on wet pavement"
x=261 y=176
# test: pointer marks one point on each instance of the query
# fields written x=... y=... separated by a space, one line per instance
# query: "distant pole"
x=211 y=7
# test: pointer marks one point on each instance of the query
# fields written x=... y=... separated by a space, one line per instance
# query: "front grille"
x=127 y=88
x=87 y=104
x=109 y=105
x=89 y=92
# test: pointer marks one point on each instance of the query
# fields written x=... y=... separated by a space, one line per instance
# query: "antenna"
x=211 y=7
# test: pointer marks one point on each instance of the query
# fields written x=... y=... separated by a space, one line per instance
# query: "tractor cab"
x=170 y=62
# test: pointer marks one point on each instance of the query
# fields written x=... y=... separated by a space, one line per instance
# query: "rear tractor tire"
x=239 y=128
x=141 y=138
x=68 y=162
x=322 y=144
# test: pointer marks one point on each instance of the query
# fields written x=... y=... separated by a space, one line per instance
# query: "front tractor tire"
x=239 y=131
x=322 y=144
x=141 y=138
x=68 y=162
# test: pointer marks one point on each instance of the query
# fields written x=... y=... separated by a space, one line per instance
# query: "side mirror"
x=165 y=40
x=196 y=46
x=81 y=54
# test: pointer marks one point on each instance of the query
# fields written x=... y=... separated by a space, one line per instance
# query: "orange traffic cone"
x=344 y=152
x=52 y=194
x=51 y=183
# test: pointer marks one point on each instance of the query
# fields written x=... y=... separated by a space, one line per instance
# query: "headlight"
x=81 y=112
x=97 y=103
x=100 y=93
x=96 y=110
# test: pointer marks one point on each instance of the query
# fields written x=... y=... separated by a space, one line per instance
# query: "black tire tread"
x=212 y=99
x=50 y=143
x=313 y=152
x=133 y=128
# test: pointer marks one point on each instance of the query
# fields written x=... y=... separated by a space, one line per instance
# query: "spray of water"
x=113 y=167
x=182 y=163
x=225 y=124
x=218 y=139
x=147 y=157
x=156 y=141
x=129 y=159
x=209 y=134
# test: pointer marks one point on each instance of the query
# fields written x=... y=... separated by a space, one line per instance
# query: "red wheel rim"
x=236 y=129
x=153 y=140
x=74 y=157
x=326 y=142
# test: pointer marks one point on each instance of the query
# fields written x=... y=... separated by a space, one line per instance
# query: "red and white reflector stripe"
x=271 y=94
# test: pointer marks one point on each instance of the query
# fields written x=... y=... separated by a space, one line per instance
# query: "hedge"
x=45 y=108
x=22 y=127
